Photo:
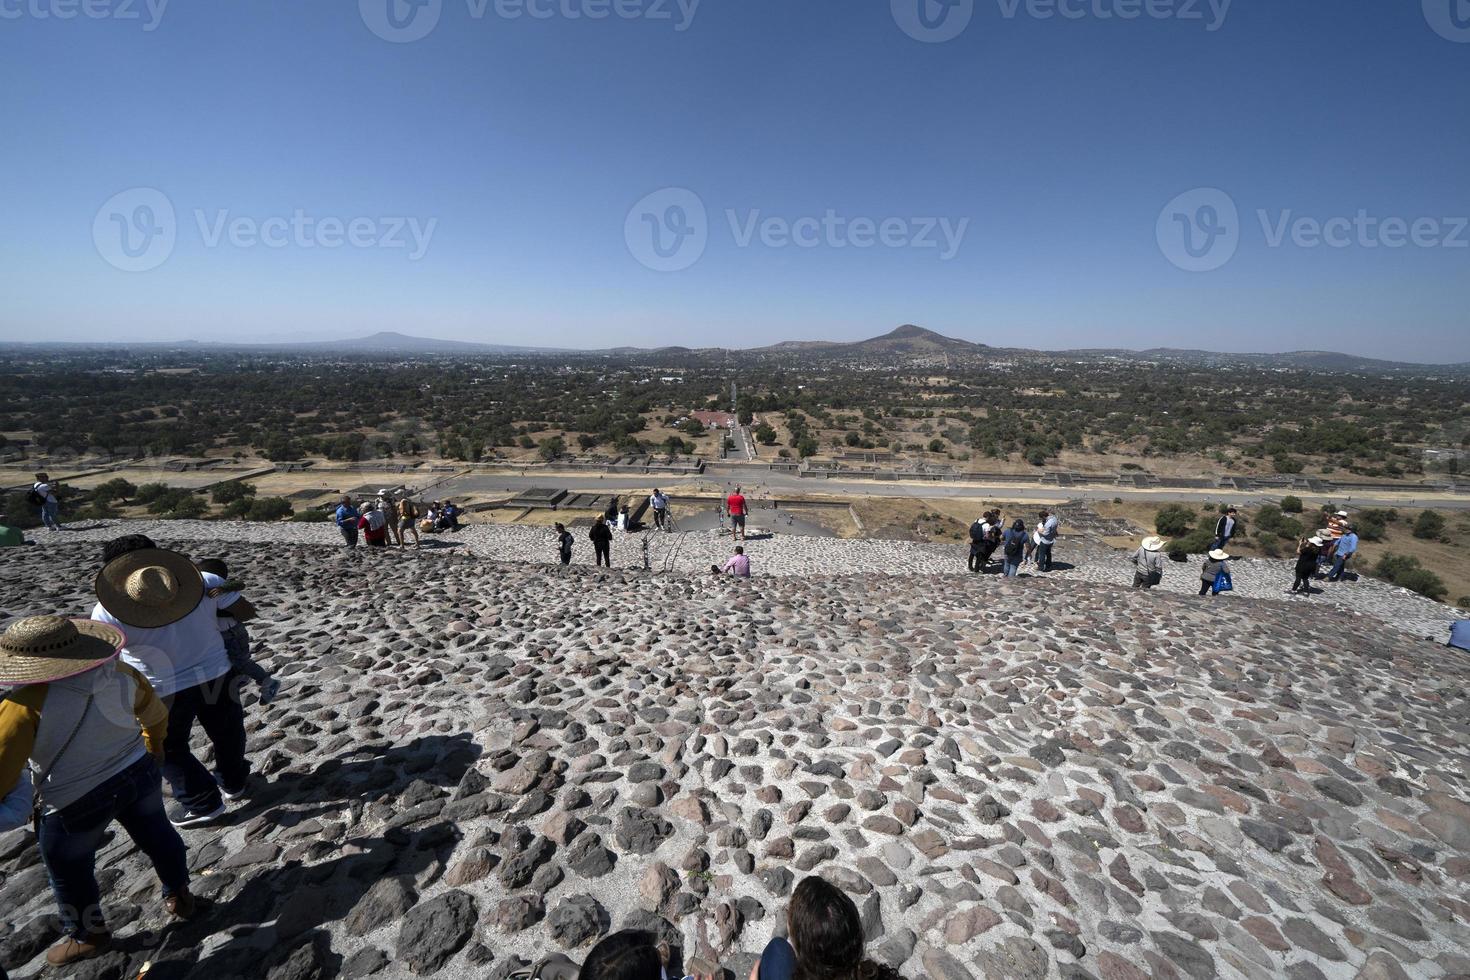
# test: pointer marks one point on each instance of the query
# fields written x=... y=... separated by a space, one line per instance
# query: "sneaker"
x=182 y=905
x=269 y=688
x=182 y=816
x=72 y=949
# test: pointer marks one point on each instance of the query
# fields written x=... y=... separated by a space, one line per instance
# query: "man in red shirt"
x=735 y=505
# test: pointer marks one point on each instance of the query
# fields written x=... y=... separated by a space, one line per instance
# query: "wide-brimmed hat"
x=1342 y=513
x=1219 y=554
x=48 y=648
x=1316 y=541
x=1154 y=543
x=149 y=588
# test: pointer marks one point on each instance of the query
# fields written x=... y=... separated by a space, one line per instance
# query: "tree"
x=854 y=439
x=692 y=427
x=114 y=489
x=1174 y=521
x=188 y=506
x=1429 y=525
x=552 y=447
x=806 y=446
x=1291 y=505
x=765 y=435
x=227 y=493
x=935 y=445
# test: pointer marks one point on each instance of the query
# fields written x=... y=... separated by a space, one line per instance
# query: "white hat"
x=1316 y=541
x=1219 y=554
x=1154 y=543
x=1342 y=513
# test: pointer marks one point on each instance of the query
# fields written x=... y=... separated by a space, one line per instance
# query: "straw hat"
x=149 y=588
x=1154 y=543
x=1316 y=541
x=49 y=648
x=1219 y=554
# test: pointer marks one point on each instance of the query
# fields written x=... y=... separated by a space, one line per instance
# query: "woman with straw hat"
x=172 y=621
x=1148 y=563
x=1217 y=564
x=1308 y=554
x=93 y=731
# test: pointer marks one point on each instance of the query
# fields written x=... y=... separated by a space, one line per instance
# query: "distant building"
x=715 y=420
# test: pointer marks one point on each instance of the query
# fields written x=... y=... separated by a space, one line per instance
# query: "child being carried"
x=237 y=638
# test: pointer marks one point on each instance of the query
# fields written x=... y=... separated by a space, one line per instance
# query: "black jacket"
x=600 y=534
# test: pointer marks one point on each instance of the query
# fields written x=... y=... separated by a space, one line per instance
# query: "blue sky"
x=520 y=148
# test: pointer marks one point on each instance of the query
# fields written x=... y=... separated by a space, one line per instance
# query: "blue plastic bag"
x=1460 y=635
x=1223 y=583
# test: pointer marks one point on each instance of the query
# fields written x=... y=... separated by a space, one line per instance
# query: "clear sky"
x=501 y=177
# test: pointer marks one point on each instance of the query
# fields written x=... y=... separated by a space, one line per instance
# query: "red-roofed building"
x=714 y=420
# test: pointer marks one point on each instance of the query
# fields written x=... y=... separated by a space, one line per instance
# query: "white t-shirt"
x=183 y=654
x=44 y=489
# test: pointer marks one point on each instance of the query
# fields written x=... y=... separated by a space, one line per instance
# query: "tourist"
x=408 y=514
x=978 y=531
x=1148 y=563
x=430 y=523
x=1225 y=529
x=237 y=637
x=738 y=565
x=739 y=510
x=624 y=519
x=611 y=514
x=1014 y=543
x=1214 y=575
x=389 y=507
x=601 y=536
x=449 y=516
x=347 y=517
x=824 y=939
x=374 y=526
x=160 y=600
x=1046 y=537
x=1308 y=553
x=43 y=495
x=564 y=541
x=10 y=537
x=94 y=731
x=660 y=505
x=995 y=531
x=1347 y=548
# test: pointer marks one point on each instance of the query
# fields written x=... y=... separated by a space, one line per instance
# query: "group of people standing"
x=392 y=520
x=1017 y=546
x=99 y=713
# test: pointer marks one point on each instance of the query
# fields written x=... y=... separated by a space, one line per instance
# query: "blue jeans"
x=1219 y=544
x=1339 y=565
x=216 y=706
x=70 y=838
x=48 y=514
x=1043 y=557
x=237 y=648
x=778 y=961
x=1010 y=567
x=349 y=534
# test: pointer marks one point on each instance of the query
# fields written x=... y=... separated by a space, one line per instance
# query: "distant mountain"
x=389 y=342
x=906 y=341
x=1301 y=360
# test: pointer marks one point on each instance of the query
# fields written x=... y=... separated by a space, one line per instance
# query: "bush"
x=314 y=515
x=237 y=509
x=269 y=509
x=150 y=492
x=1429 y=525
x=1406 y=572
x=1286 y=464
x=1291 y=505
x=1370 y=529
x=187 y=507
x=1174 y=520
x=553 y=447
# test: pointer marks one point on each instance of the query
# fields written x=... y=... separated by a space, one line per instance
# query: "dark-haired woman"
x=825 y=940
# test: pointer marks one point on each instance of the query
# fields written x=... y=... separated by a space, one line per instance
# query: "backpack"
x=977 y=533
x=34 y=498
x=1015 y=546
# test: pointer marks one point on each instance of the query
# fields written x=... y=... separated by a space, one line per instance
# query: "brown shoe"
x=71 y=949
x=181 y=905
